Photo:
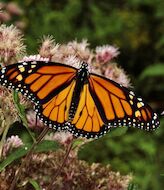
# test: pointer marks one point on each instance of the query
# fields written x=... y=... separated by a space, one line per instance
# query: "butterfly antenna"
x=77 y=53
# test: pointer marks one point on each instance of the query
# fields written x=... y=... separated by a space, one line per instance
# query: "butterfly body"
x=81 y=79
x=83 y=103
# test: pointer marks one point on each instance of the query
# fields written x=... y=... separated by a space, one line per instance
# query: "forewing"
x=38 y=80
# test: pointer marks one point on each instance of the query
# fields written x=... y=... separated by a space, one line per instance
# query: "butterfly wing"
x=119 y=106
x=102 y=103
x=49 y=85
x=105 y=104
x=55 y=112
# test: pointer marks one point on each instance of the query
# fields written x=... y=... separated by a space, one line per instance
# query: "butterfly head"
x=84 y=68
x=84 y=65
x=83 y=71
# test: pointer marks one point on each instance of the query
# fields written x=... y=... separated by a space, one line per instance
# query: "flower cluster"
x=62 y=137
x=106 y=53
x=10 y=144
x=11 y=44
x=9 y=113
x=33 y=121
x=49 y=48
x=73 y=53
x=76 y=174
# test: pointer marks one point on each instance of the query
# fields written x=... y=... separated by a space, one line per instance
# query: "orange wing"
x=56 y=110
x=102 y=103
x=87 y=121
x=49 y=85
x=120 y=107
x=38 y=80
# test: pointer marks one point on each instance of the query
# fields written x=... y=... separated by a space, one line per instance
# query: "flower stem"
x=27 y=158
x=21 y=112
x=50 y=187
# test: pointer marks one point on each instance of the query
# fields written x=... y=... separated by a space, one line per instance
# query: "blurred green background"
x=137 y=27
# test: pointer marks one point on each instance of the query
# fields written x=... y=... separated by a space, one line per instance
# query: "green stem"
x=22 y=114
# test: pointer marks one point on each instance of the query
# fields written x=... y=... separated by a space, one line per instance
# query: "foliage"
x=134 y=26
x=153 y=76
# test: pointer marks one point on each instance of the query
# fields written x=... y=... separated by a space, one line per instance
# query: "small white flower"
x=34 y=58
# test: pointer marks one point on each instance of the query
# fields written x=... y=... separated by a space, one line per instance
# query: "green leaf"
x=153 y=71
x=77 y=142
x=34 y=184
x=18 y=153
x=44 y=146
x=47 y=145
x=20 y=130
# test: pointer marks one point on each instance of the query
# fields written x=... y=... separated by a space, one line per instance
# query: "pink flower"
x=117 y=74
x=49 y=47
x=106 y=53
x=7 y=106
x=14 y=9
x=79 y=46
x=79 y=49
x=11 y=143
x=33 y=121
x=11 y=43
x=62 y=137
x=72 y=60
x=4 y=16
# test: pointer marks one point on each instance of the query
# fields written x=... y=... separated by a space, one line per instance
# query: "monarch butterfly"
x=72 y=99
